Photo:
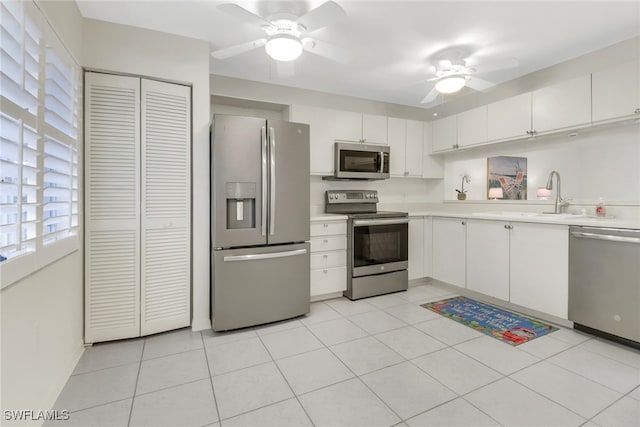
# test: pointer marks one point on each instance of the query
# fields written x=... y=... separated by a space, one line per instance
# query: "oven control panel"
x=351 y=196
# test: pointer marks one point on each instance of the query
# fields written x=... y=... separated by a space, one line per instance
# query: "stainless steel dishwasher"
x=604 y=282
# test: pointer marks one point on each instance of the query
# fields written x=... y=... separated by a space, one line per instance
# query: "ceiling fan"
x=451 y=75
x=287 y=35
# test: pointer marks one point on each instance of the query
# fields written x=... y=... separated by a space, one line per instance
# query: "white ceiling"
x=393 y=43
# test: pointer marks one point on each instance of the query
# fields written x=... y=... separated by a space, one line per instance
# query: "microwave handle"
x=380 y=161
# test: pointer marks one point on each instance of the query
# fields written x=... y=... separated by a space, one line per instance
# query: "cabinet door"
x=449 y=249
x=321 y=136
x=445 y=134
x=374 y=129
x=112 y=207
x=431 y=165
x=616 y=91
x=562 y=105
x=416 y=248
x=488 y=258
x=347 y=126
x=472 y=126
x=397 y=144
x=539 y=267
x=165 y=282
x=414 y=148
x=509 y=118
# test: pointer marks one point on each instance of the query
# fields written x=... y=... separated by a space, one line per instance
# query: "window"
x=39 y=118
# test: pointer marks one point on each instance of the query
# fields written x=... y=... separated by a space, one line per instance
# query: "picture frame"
x=509 y=174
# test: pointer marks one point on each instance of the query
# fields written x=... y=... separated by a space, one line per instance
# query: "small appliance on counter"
x=260 y=227
x=377 y=243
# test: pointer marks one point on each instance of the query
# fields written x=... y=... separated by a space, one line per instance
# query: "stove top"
x=356 y=204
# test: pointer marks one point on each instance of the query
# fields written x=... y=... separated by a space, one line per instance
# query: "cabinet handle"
x=464 y=223
x=325 y=241
x=508 y=227
x=325 y=271
x=325 y=256
x=326 y=225
x=636 y=111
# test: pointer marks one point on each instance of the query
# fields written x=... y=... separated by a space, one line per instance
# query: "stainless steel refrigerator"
x=260 y=227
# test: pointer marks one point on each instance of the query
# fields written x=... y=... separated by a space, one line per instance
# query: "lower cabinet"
x=328 y=257
x=524 y=263
x=416 y=248
x=449 y=249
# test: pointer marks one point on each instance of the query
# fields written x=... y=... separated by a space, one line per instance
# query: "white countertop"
x=328 y=217
x=538 y=218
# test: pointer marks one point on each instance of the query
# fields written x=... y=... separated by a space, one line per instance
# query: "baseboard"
x=200 y=324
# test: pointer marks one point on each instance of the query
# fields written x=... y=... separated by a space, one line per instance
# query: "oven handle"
x=366 y=222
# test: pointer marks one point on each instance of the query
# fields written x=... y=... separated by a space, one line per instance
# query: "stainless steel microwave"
x=361 y=161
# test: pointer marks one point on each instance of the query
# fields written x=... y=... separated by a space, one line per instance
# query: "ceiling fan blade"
x=501 y=64
x=322 y=16
x=238 y=49
x=326 y=50
x=431 y=96
x=244 y=15
x=479 y=84
x=444 y=64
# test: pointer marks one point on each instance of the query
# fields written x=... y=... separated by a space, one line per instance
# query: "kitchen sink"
x=549 y=215
x=506 y=213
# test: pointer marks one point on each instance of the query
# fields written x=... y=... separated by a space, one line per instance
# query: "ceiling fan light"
x=450 y=84
x=284 y=47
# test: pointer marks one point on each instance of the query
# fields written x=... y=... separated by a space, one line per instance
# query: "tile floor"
x=383 y=361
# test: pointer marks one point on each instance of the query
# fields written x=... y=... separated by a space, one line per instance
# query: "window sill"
x=16 y=269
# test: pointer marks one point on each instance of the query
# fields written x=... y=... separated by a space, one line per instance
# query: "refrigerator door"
x=253 y=286
x=239 y=155
x=288 y=182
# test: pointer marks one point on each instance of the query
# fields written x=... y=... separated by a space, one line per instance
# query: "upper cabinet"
x=321 y=128
x=358 y=127
x=509 y=118
x=374 y=129
x=472 y=127
x=562 y=105
x=406 y=142
x=616 y=92
x=347 y=126
x=445 y=134
x=432 y=166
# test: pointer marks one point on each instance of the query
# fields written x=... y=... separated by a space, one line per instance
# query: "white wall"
x=599 y=163
x=42 y=315
x=125 y=49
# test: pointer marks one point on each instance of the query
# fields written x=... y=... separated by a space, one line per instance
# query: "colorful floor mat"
x=504 y=325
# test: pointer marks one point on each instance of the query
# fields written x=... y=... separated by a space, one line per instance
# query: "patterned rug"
x=504 y=325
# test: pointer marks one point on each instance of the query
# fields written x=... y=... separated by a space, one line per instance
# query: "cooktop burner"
x=356 y=204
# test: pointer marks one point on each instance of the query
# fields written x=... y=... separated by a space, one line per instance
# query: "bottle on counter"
x=601 y=210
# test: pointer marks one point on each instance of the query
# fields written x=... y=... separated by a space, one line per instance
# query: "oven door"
x=359 y=161
x=379 y=245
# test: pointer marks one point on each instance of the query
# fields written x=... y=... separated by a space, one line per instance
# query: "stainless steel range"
x=377 y=243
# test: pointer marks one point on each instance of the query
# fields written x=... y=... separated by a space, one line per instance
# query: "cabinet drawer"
x=328 y=280
x=322 y=244
x=328 y=228
x=328 y=259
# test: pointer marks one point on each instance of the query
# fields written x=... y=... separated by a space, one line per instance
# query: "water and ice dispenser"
x=241 y=205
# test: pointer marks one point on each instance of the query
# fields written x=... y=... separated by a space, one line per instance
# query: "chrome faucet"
x=560 y=202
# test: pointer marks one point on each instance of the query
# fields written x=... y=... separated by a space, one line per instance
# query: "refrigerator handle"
x=272 y=205
x=263 y=218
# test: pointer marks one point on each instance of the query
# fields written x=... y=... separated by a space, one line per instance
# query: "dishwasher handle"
x=606 y=237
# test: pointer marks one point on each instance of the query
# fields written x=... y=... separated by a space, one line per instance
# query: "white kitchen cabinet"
x=347 y=126
x=322 y=131
x=416 y=248
x=562 y=105
x=432 y=166
x=328 y=256
x=414 y=147
x=524 y=263
x=616 y=91
x=472 y=127
x=509 y=118
x=137 y=207
x=445 y=134
x=488 y=258
x=427 y=269
x=374 y=129
x=449 y=250
x=405 y=137
x=358 y=127
x=539 y=262
x=397 y=139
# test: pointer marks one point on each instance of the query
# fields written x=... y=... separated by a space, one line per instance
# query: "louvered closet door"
x=112 y=207
x=166 y=206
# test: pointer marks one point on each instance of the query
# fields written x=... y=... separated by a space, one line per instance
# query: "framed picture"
x=508 y=174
